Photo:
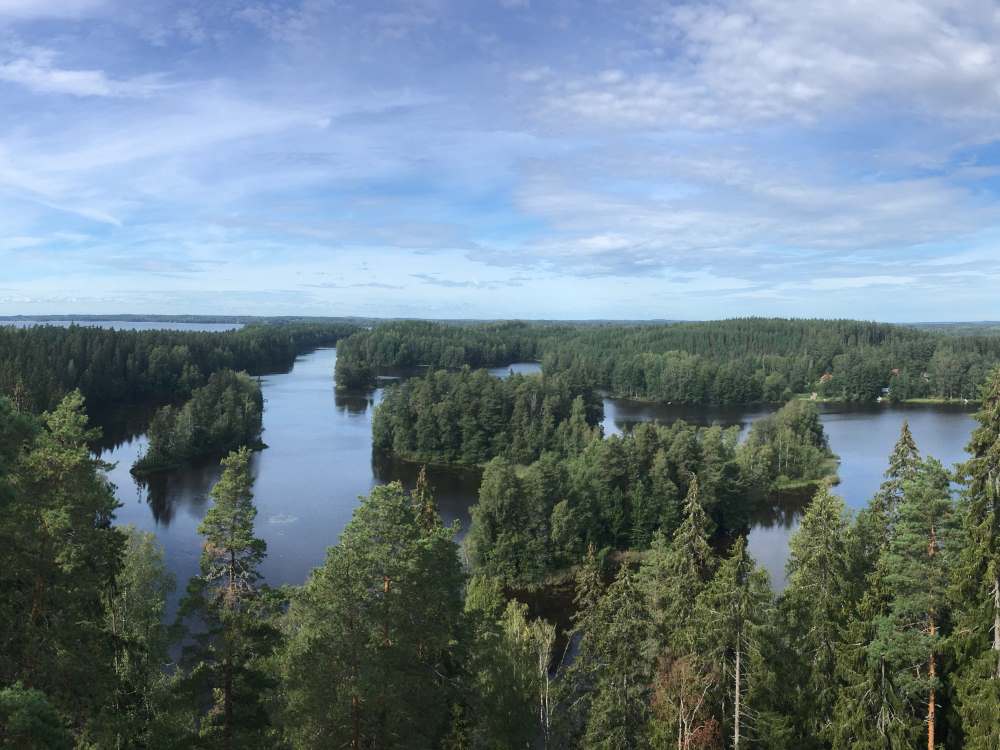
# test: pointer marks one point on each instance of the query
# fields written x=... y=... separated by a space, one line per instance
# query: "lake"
x=319 y=461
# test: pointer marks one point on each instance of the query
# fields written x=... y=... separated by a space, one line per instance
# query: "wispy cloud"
x=30 y=9
x=37 y=71
x=670 y=160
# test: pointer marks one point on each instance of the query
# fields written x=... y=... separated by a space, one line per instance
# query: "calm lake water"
x=319 y=461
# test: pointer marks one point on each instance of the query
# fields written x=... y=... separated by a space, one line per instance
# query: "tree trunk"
x=736 y=704
x=931 y=707
x=228 y=702
x=680 y=721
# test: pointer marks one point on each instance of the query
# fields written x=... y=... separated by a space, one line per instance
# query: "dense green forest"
x=224 y=414
x=724 y=362
x=620 y=492
x=885 y=637
x=110 y=367
x=410 y=344
x=469 y=417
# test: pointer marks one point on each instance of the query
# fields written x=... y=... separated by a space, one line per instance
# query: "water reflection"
x=319 y=461
x=354 y=404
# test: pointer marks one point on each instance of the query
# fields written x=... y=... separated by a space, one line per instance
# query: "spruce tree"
x=618 y=669
x=727 y=618
x=977 y=581
x=918 y=566
x=675 y=574
x=814 y=605
x=904 y=464
x=870 y=711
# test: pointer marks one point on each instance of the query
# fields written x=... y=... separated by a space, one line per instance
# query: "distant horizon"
x=226 y=317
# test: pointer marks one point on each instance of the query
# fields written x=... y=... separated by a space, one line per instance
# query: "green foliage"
x=233 y=620
x=620 y=492
x=134 y=611
x=787 y=445
x=409 y=344
x=469 y=417
x=506 y=703
x=29 y=722
x=976 y=591
x=814 y=611
x=729 y=615
x=59 y=553
x=221 y=416
x=603 y=696
x=111 y=367
x=726 y=362
x=372 y=656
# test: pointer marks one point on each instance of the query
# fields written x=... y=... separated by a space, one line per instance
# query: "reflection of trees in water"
x=356 y=402
x=188 y=489
x=121 y=425
x=782 y=509
x=455 y=489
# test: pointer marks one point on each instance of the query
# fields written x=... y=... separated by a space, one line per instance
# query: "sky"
x=501 y=158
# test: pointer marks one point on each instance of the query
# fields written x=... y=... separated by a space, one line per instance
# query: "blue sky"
x=501 y=158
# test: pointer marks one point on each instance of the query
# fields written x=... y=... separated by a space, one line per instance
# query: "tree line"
x=885 y=637
x=224 y=414
x=111 y=367
x=403 y=345
x=722 y=362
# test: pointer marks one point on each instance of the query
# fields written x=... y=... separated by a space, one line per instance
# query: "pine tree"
x=61 y=554
x=233 y=616
x=372 y=653
x=29 y=722
x=727 y=618
x=977 y=581
x=814 y=605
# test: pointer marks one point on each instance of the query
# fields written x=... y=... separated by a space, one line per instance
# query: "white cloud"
x=38 y=73
x=745 y=61
x=28 y=9
x=859 y=282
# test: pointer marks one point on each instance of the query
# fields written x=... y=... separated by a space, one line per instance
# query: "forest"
x=469 y=417
x=735 y=361
x=112 y=367
x=669 y=635
x=224 y=414
x=885 y=635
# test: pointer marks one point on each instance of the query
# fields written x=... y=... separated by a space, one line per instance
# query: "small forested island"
x=604 y=596
x=224 y=414
x=555 y=485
